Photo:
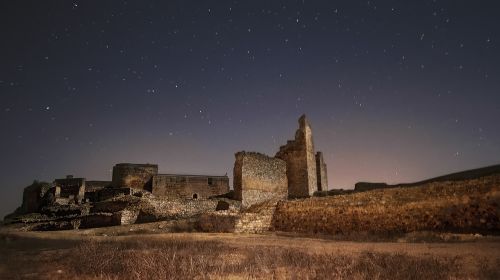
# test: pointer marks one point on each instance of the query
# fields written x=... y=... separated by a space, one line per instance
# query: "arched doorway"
x=195 y=196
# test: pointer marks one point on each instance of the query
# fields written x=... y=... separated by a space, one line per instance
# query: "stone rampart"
x=469 y=206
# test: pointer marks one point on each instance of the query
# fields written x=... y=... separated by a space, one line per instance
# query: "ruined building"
x=300 y=162
x=257 y=176
x=127 y=179
x=138 y=193
x=173 y=186
x=189 y=186
x=69 y=190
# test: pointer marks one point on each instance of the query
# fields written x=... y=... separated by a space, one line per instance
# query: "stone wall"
x=469 y=206
x=108 y=193
x=137 y=176
x=321 y=173
x=258 y=178
x=72 y=188
x=162 y=209
x=189 y=186
x=92 y=186
x=255 y=219
x=300 y=162
x=33 y=197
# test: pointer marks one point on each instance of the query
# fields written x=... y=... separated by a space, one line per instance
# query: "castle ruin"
x=139 y=193
x=305 y=170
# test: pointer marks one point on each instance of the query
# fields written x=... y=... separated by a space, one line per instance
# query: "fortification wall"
x=321 y=172
x=300 y=162
x=189 y=186
x=258 y=178
x=469 y=206
x=137 y=176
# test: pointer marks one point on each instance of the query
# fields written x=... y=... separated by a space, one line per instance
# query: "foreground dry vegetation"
x=260 y=257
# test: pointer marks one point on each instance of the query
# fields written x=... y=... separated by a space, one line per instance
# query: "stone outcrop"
x=259 y=178
x=300 y=162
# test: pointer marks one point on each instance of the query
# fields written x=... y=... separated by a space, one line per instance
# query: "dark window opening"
x=210 y=181
x=195 y=196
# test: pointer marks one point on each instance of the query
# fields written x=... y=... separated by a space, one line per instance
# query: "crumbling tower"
x=300 y=162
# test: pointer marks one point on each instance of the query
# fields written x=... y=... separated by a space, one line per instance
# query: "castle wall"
x=321 y=173
x=137 y=176
x=92 y=186
x=467 y=206
x=189 y=186
x=258 y=178
x=33 y=197
x=300 y=162
x=70 y=188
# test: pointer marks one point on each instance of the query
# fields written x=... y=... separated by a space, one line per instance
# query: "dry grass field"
x=85 y=255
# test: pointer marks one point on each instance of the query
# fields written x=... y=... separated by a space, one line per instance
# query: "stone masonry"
x=321 y=172
x=189 y=186
x=300 y=162
x=258 y=178
x=71 y=188
x=137 y=176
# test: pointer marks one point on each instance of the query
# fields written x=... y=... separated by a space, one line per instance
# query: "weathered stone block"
x=258 y=178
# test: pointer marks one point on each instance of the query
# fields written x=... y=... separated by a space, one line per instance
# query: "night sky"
x=395 y=91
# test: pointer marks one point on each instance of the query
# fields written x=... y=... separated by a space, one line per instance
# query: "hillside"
x=467 y=206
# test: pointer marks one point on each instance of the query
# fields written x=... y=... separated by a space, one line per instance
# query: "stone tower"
x=321 y=173
x=300 y=162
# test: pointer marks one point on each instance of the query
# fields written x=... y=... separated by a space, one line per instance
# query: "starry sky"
x=395 y=91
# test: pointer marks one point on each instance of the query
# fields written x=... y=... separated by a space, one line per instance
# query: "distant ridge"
x=458 y=176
